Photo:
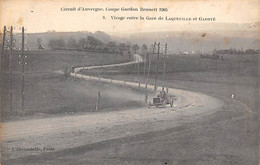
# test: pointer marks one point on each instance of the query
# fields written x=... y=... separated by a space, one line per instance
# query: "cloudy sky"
x=44 y=15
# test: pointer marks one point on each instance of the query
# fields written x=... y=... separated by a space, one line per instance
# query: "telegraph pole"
x=147 y=78
x=100 y=69
x=157 y=67
x=22 y=57
x=10 y=69
x=138 y=72
x=145 y=64
x=149 y=67
x=164 y=65
x=2 y=67
x=2 y=55
x=3 y=48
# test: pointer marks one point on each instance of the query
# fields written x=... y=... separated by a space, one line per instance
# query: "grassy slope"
x=50 y=93
x=236 y=74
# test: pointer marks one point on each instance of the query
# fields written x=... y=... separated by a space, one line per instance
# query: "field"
x=229 y=136
x=236 y=74
x=48 y=93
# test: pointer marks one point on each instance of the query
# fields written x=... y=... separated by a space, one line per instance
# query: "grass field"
x=48 y=93
x=237 y=74
x=49 y=60
x=228 y=136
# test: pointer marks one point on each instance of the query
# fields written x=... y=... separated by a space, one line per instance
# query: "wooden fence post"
x=98 y=101
x=146 y=97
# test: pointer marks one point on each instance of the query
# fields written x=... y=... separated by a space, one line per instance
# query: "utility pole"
x=138 y=71
x=147 y=79
x=149 y=69
x=22 y=57
x=135 y=68
x=164 y=65
x=11 y=69
x=145 y=64
x=3 y=48
x=2 y=54
x=99 y=70
x=157 y=67
x=2 y=67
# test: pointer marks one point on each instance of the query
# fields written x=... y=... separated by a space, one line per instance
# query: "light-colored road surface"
x=73 y=131
x=136 y=58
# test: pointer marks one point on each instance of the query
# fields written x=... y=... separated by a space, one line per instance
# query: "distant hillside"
x=33 y=38
x=205 y=37
x=217 y=36
x=195 y=41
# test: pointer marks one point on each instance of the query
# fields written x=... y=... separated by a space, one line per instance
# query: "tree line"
x=235 y=51
x=91 y=43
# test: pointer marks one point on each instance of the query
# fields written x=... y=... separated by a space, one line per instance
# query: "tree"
x=151 y=47
x=72 y=43
x=144 y=48
x=94 y=42
x=135 y=48
x=122 y=47
x=54 y=44
x=82 y=43
x=111 y=44
x=250 y=51
x=128 y=47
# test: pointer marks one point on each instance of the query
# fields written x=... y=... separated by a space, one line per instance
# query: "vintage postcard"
x=120 y=82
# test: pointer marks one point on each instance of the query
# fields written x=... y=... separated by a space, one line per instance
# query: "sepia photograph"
x=119 y=82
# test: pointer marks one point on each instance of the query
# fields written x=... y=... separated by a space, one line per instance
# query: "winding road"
x=63 y=133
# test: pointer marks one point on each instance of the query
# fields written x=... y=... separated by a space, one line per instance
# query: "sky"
x=43 y=15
